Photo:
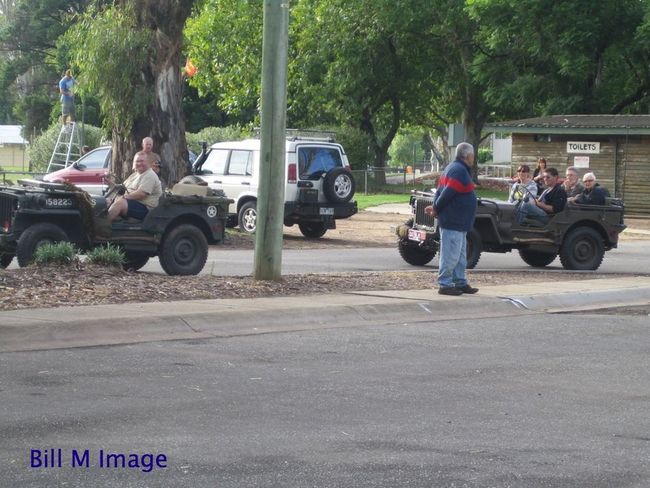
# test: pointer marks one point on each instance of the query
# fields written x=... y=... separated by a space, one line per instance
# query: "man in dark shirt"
x=552 y=200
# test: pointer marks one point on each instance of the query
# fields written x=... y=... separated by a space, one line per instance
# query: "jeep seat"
x=189 y=189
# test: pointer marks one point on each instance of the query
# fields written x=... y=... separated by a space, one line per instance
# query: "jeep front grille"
x=420 y=217
x=6 y=209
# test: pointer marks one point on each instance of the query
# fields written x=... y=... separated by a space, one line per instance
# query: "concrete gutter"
x=84 y=326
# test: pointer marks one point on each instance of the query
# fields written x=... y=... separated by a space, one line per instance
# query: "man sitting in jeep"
x=143 y=191
x=552 y=200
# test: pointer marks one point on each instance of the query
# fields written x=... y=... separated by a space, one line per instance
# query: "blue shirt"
x=66 y=85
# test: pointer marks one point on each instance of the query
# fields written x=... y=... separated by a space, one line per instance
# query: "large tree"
x=129 y=55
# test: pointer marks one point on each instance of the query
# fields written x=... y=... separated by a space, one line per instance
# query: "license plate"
x=326 y=211
x=417 y=235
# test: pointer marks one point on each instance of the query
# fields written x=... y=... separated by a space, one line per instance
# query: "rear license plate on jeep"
x=417 y=235
x=326 y=211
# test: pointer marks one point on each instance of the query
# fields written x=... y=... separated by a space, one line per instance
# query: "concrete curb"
x=85 y=326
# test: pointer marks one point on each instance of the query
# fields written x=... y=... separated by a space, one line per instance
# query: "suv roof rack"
x=306 y=135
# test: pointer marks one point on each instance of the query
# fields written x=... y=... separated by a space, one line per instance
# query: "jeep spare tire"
x=184 y=250
x=338 y=186
x=34 y=237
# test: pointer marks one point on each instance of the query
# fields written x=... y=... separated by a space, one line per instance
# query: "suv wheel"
x=134 y=260
x=34 y=237
x=417 y=256
x=474 y=248
x=312 y=230
x=248 y=218
x=338 y=186
x=582 y=249
x=184 y=251
x=5 y=260
x=537 y=259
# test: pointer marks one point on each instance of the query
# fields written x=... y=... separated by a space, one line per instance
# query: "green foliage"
x=484 y=155
x=108 y=255
x=407 y=147
x=109 y=50
x=212 y=135
x=40 y=150
x=59 y=253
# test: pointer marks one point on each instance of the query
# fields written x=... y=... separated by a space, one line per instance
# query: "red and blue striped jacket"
x=455 y=198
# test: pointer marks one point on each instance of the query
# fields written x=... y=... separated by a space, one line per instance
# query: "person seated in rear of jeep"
x=593 y=194
x=572 y=186
x=142 y=191
x=551 y=201
x=523 y=179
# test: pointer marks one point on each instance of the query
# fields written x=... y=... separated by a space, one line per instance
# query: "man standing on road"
x=455 y=208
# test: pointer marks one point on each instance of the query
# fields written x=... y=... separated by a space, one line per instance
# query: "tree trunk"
x=473 y=120
x=378 y=146
x=164 y=119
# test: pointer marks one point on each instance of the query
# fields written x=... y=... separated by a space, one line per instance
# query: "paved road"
x=541 y=401
x=632 y=257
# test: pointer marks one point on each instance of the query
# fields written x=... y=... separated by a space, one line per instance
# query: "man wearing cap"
x=593 y=194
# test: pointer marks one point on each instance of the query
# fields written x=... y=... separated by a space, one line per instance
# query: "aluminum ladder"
x=67 y=148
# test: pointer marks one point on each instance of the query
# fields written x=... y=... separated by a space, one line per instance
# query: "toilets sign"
x=583 y=147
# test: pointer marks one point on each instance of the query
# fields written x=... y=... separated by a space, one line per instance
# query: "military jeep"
x=178 y=230
x=580 y=234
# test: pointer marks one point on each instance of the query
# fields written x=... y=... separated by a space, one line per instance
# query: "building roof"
x=576 y=124
x=11 y=134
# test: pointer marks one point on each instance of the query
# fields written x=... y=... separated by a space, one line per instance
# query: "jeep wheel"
x=312 y=230
x=338 y=186
x=134 y=261
x=248 y=218
x=413 y=254
x=582 y=249
x=5 y=260
x=184 y=251
x=474 y=248
x=537 y=259
x=34 y=237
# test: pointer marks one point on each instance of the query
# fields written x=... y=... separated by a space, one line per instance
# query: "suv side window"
x=313 y=161
x=95 y=159
x=215 y=164
x=240 y=163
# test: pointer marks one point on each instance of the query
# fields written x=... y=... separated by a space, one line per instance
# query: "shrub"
x=60 y=253
x=108 y=255
x=484 y=155
x=40 y=149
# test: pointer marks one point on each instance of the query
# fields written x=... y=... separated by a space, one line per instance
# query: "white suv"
x=318 y=190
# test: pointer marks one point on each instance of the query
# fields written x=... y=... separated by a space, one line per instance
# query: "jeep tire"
x=34 y=237
x=248 y=218
x=184 y=250
x=582 y=249
x=133 y=261
x=338 y=186
x=5 y=260
x=413 y=254
x=537 y=259
x=312 y=230
x=474 y=248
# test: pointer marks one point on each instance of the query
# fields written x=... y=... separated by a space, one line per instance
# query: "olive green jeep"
x=178 y=230
x=580 y=234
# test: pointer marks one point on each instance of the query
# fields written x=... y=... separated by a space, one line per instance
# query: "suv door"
x=315 y=161
x=238 y=179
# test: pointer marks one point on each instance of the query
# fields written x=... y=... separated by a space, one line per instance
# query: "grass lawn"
x=372 y=200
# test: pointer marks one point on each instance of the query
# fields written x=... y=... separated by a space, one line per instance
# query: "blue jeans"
x=453 y=258
x=532 y=211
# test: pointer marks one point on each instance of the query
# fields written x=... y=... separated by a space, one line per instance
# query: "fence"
x=401 y=180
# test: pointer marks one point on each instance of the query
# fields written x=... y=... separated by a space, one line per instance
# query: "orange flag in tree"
x=190 y=69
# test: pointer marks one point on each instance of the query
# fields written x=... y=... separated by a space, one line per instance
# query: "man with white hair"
x=593 y=194
x=455 y=207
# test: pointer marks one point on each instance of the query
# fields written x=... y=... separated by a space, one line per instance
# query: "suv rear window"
x=314 y=161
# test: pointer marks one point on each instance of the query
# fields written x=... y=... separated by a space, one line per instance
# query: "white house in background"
x=12 y=146
x=501 y=149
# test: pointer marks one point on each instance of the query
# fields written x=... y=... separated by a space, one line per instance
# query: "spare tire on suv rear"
x=338 y=186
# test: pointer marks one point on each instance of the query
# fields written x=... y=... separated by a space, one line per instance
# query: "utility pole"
x=270 y=202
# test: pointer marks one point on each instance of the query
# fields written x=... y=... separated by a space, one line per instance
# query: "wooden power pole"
x=270 y=199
